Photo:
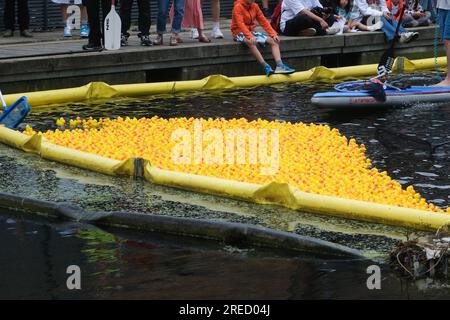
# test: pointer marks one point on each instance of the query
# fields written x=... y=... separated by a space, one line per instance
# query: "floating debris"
x=424 y=258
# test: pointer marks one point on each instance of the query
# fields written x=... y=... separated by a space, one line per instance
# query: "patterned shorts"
x=260 y=38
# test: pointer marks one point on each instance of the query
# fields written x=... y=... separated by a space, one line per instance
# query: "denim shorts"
x=444 y=23
x=260 y=38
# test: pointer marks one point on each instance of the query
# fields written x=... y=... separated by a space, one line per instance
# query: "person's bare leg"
x=215 y=8
x=275 y=49
x=64 y=13
x=361 y=26
x=83 y=14
x=265 y=4
x=255 y=52
x=446 y=81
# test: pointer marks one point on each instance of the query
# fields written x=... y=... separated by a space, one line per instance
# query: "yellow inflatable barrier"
x=215 y=82
x=272 y=193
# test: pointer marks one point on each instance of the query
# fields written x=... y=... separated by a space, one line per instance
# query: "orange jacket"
x=400 y=7
x=243 y=19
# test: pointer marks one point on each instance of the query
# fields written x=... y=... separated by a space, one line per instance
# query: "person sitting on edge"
x=298 y=19
x=365 y=9
x=414 y=16
x=444 y=24
x=344 y=9
x=245 y=12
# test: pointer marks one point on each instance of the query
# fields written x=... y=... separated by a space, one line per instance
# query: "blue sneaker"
x=67 y=32
x=284 y=69
x=84 y=31
x=268 y=70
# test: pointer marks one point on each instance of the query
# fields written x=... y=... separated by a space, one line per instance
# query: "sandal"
x=204 y=39
x=159 y=40
x=173 y=41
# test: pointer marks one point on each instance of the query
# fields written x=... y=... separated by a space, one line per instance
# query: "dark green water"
x=118 y=264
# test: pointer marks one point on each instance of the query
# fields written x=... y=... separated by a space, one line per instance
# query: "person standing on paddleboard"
x=444 y=24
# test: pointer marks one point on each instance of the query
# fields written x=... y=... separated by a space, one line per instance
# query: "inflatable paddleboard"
x=394 y=97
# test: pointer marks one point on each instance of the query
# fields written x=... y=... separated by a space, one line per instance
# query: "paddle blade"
x=386 y=62
x=113 y=26
x=14 y=115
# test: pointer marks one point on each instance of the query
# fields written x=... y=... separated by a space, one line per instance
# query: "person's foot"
x=67 y=32
x=204 y=39
x=159 y=40
x=216 y=33
x=375 y=26
x=284 y=69
x=268 y=69
x=194 y=33
x=408 y=37
x=146 y=41
x=177 y=37
x=308 y=32
x=92 y=47
x=26 y=33
x=84 y=31
x=173 y=41
x=124 y=40
x=443 y=83
x=8 y=33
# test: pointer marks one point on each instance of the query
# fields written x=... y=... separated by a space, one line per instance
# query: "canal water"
x=119 y=264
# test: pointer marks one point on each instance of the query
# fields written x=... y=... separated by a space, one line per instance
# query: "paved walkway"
x=53 y=43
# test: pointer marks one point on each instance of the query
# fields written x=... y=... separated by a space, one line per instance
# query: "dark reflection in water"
x=407 y=162
x=121 y=264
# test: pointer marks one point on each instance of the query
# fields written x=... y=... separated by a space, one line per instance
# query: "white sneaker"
x=67 y=32
x=216 y=33
x=376 y=26
x=194 y=33
x=408 y=37
x=332 y=30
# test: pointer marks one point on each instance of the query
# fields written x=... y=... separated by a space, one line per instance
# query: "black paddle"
x=385 y=65
x=387 y=59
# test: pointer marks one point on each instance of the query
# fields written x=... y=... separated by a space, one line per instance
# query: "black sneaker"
x=145 y=41
x=124 y=40
x=8 y=33
x=26 y=34
x=92 y=47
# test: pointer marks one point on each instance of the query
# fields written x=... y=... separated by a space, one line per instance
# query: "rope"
x=436 y=65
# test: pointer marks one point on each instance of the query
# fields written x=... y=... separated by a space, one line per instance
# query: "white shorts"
x=77 y=2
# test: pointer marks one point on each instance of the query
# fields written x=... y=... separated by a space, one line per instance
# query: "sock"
x=84 y=23
x=279 y=63
x=216 y=25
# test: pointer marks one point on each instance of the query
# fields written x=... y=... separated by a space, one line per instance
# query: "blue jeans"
x=389 y=27
x=163 y=9
x=444 y=23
